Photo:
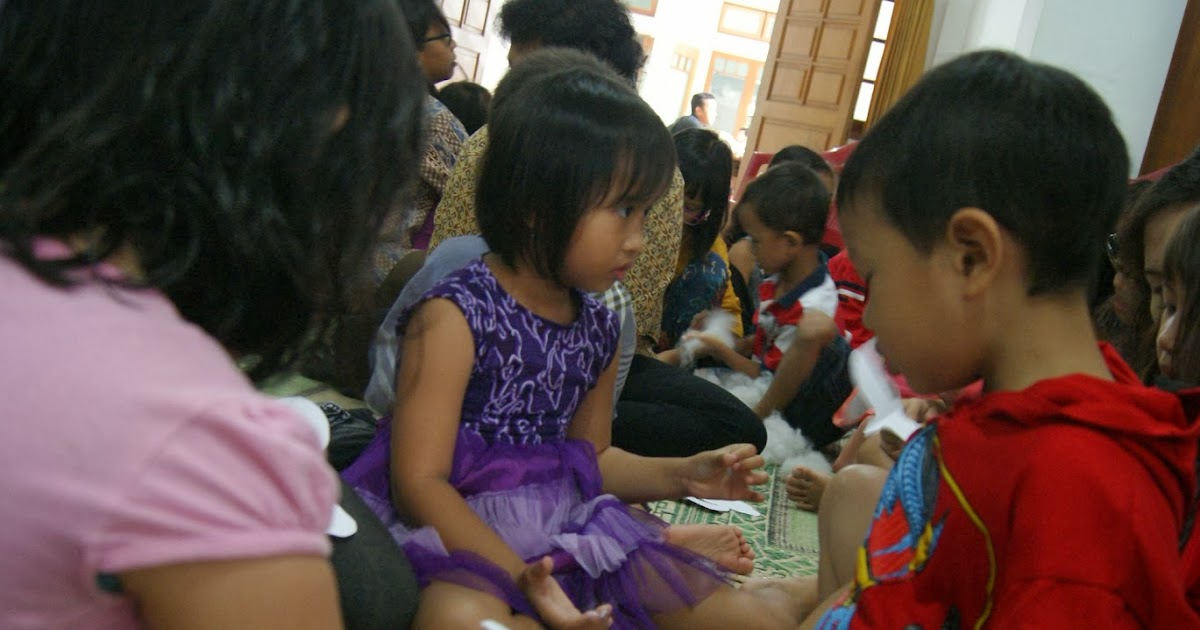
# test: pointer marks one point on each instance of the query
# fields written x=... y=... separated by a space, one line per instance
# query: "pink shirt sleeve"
x=242 y=480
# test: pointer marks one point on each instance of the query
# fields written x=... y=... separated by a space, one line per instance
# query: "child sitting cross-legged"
x=497 y=471
x=974 y=210
x=784 y=212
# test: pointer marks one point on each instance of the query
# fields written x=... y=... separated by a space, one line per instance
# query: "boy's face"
x=771 y=249
x=911 y=303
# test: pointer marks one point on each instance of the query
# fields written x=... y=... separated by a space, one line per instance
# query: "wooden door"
x=812 y=74
x=469 y=23
x=1176 y=128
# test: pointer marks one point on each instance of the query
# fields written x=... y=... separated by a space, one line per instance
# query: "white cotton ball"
x=718 y=323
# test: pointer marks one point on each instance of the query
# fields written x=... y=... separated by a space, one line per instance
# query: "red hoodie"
x=1058 y=506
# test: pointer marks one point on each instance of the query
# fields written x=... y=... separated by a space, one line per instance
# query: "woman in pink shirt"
x=180 y=183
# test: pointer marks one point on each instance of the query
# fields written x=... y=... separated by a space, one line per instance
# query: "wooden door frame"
x=1176 y=130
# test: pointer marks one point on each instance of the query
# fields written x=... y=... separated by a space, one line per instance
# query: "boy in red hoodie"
x=974 y=210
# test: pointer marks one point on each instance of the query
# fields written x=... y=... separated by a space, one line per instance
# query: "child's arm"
x=725 y=473
x=730 y=356
x=439 y=353
x=282 y=592
x=814 y=330
x=431 y=381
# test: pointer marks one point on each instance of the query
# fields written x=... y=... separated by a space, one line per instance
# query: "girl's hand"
x=726 y=473
x=555 y=608
x=708 y=343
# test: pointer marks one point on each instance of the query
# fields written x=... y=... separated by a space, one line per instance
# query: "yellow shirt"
x=729 y=301
x=646 y=280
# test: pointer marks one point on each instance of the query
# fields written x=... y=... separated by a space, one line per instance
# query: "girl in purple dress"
x=497 y=472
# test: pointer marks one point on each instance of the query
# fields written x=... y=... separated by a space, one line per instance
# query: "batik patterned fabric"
x=518 y=471
x=700 y=287
x=409 y=225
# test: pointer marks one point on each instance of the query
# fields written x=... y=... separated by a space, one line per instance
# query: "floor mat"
x=784 y=538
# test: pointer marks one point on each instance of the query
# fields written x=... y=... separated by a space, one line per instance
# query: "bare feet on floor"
x=723 y=544
x=805 y=487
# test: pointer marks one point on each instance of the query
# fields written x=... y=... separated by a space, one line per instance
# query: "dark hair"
x=419 y=15
x=698 y=100
x=706 y=163
x=469 y=102
x=1031 y=145
x=601 y=27
x=1181 y=263
x=804 y=155
x=790 y=197
x=1176 y=189
x=557 y=147
x=244 y=150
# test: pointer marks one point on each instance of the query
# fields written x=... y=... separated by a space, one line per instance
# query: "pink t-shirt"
x=130 y=441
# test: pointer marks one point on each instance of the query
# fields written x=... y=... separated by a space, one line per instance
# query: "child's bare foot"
x=805 y=487
x=723 y=544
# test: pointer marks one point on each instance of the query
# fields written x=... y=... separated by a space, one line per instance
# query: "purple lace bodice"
x=530 y=374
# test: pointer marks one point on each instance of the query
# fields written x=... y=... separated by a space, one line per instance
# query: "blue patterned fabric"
x=699 y=288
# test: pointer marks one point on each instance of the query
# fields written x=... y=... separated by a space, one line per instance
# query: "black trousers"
x=665 y=411
x=376 y=584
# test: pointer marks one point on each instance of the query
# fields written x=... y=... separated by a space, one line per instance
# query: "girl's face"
x=437 y=54
x=604 y=246
x=694 y=212
x=1168 y=328
x=1159 y=231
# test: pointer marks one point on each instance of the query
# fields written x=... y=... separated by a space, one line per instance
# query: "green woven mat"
x=784 y=538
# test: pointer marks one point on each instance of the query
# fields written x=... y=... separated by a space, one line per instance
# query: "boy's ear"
x=793 y=238
x=977 y=246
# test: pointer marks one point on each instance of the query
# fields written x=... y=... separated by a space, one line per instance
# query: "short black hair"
x=698 y=100
x=250 y=149
x=1030 y=144
x=790 y=197
x=1181 y=263
x=706 y=163
x=802 y=154
x=419 y=15
x=469 y=102
x=557 y=147
x=601 y=27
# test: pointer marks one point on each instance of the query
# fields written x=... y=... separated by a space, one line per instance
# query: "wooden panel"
x=1176 y=130
x=799 y=39
x=453 y=10
x=846 y=8
x=789 y=84
x=775 y=135
x=827 y=89
x=812 y=74
x=807 y=8
x=476 y=16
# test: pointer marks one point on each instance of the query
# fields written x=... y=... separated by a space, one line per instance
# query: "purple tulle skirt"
x=546 y=500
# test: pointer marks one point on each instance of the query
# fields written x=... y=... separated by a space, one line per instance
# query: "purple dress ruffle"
x=538 y=490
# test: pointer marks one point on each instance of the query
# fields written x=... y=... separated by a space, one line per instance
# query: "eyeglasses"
x=444 y=36
x=694 y=212
x=1113 y=248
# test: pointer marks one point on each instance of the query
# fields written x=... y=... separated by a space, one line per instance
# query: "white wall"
x=1120 y=47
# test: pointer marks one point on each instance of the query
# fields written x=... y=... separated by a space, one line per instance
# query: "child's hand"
x=708 y=343
x=555 y=608
x=726 y=473
x=923 y=409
